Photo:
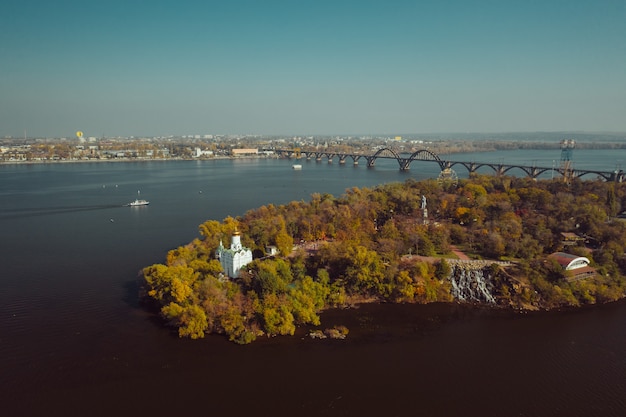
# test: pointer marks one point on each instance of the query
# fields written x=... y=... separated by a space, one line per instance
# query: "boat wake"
x=48 y=211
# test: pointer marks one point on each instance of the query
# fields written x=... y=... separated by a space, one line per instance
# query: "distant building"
x=271 y=250
x=198 y=153
x=569 y=239
x=243 y=152
x=235 y=258
x=576 y=266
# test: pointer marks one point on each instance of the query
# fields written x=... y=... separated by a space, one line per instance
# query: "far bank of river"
x=444 y=148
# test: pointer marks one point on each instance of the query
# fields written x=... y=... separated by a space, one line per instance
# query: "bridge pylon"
x=567 y=167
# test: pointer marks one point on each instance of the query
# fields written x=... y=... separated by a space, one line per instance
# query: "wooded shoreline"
x=362 y=242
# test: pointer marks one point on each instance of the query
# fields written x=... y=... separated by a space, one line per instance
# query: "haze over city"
x=120 y=68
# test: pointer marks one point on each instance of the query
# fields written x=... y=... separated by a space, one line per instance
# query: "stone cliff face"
x=472 y=283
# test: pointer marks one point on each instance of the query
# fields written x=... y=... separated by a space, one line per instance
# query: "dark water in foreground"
x=74 y=342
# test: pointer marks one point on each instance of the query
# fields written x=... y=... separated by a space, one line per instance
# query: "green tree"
x=166 y=284
x=190 y=320
x=211 y=230
x=365 y=270
x=284 y=243
x=442 y=269
x=279 y=320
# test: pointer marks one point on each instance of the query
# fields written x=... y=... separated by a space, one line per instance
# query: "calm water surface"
x=73 y=340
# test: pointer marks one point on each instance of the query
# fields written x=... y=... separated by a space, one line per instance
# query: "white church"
x=235 y=258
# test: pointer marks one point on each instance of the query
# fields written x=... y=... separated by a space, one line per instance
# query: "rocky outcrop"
x=471 y=282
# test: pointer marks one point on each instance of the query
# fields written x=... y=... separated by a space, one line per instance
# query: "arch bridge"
x=425 y=155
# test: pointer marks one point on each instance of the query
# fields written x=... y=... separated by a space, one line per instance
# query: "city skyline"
x=279 y=67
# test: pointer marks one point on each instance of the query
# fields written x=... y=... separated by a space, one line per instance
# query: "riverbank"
x=129 y=160
x=439 y=146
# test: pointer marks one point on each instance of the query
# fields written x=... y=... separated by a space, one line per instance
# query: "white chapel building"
x=235 y=258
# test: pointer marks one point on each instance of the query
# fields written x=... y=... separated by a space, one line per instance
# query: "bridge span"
x=425 y=155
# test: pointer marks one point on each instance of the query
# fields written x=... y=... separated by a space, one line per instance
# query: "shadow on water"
x=135 y=298
x=48 y=211
x=132 y=293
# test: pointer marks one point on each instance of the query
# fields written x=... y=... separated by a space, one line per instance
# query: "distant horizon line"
x=404 y=134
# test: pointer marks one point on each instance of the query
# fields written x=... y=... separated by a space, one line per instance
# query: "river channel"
x=75 y=342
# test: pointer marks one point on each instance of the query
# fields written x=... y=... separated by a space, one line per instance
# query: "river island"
x=500 y=241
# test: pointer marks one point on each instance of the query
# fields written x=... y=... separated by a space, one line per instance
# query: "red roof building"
x=577 y=266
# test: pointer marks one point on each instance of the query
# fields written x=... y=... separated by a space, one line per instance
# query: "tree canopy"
x=374 y=244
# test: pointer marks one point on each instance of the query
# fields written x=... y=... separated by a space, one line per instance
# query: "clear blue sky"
x=311 y=67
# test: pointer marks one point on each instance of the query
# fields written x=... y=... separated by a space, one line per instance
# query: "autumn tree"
x=363 y=237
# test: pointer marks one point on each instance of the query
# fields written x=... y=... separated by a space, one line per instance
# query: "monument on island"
x=234 y=258
x=424 y=210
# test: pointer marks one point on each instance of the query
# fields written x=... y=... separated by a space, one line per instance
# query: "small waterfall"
x=471 y=283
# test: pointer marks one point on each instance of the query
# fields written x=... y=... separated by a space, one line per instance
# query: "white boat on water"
x=138 y=202
x=296 y=166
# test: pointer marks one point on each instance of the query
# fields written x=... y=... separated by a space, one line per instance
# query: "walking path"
x=463 y=259
x=459 y=254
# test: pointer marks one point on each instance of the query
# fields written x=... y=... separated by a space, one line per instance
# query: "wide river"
x=75 y=342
